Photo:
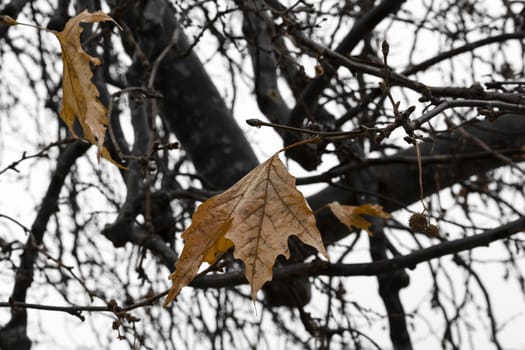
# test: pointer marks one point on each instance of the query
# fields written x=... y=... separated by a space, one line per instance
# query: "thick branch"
x=207 y=131
x=258 y=32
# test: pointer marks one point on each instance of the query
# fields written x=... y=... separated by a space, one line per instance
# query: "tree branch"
x=410 y=261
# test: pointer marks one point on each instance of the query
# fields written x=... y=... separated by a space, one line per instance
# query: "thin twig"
x=324 y=135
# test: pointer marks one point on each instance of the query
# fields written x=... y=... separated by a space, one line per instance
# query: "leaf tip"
x=169 y=298
x=8 y=20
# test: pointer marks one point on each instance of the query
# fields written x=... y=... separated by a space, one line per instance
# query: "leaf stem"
x=30 y=25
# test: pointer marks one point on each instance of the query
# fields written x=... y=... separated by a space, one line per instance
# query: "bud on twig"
x=385 y=48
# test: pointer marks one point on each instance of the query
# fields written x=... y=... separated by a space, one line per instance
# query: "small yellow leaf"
x=256 y=216
x=200 y=245
x=351 y=216
x=80 y=95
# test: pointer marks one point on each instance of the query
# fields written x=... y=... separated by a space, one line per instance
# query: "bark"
x=257 y=28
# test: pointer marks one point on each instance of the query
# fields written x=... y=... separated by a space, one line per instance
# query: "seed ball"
x=418 y=222
x=432 y=231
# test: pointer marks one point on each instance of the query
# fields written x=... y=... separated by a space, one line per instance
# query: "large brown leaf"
x=256 y=216
x=80 y=95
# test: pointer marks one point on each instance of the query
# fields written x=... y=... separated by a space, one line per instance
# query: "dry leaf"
x=80 y=95
x=270 y=210
x=351 y=216
x=257 y=215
